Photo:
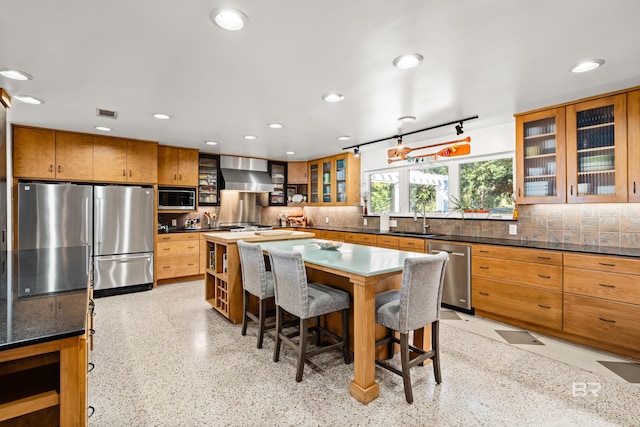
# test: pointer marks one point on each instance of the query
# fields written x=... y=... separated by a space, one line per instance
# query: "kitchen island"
x=44 y=336
x=223 y=276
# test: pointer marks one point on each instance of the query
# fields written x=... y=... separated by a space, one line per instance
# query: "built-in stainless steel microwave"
x=176 y=199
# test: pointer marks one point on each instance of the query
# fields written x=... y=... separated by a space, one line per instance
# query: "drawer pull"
x=166 y=266
x=604 y=285
x=607 y=264
x=544 y=257
x=486 y=294
x=543 y=306
x=190 y=264
x=190 y=247
x=482 y=267
x=607 y=320
x=483 y=251
x=544 y=277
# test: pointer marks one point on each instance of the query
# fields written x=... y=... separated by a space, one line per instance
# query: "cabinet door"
x=109 y=159
x=74 y=156
x=142 y=162
x=541 y=157
x=597 y=150
x=327 y=181
x=297 y=173
x=633 y=144
x=314 y=182
x=340 y=166
x=278 y=172
x=188 y=168
x=208 y=191
x=167 y=165
x=34 y=153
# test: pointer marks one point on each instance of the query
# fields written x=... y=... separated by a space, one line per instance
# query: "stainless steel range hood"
x=245 y=174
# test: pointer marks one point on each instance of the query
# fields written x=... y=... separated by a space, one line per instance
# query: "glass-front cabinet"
x=334 y=180
x=278 y=172
x=541 y=157
x=633 y=145
x=314 y=183
x=326 y=181
x=208 y=179
x=597 y=150
x=341 y=179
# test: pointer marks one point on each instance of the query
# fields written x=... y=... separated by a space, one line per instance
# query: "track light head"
x=399 y=142
x=459 y=130
x=356 y=152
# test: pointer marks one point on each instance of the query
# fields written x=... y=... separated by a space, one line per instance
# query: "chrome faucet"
x=425 y=226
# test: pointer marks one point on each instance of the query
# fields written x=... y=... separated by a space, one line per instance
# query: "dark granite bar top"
x=592 y=249
x=43 y=295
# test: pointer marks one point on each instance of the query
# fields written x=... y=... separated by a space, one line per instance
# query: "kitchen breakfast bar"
x=360 y=270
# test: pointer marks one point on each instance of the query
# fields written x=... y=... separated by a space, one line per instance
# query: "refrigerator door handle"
x=86 y=223
x=119 y=258
x=98 y=224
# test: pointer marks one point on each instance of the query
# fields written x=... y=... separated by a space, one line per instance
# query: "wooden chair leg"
x=302 y=347
x=318 y=340
x=435 y=346
x=345 y=336
x=391 y=344
x=262 y=312
x=406 y=375
x=245 y=308
x=276 y=349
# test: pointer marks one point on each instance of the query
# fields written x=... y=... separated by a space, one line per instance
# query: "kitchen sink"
x=412 y=234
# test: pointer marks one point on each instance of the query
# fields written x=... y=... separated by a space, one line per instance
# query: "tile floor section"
x=165 y=358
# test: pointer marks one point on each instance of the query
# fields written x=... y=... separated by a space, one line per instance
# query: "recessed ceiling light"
x=333 y=97
x=344 y=138
x=250 y=137
x=29 y=99
x=162 y=116
x=406 y=118
x=276 y=125
x=103 y=128
x=290 y=152
x=585 y=66
x=211 y=142
x=228 y=18
x=15 y=74
x=408 y=60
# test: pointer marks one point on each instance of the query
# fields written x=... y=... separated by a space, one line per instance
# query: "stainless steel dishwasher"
x=456 y=292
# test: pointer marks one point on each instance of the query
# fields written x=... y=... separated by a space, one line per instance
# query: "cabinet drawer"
x=351 y=237
x=605 y=321
x=537 y=306
x=366 y=239
x=387 y=242
x=180 y=247
x=177 y=266
x=173 y=237
x=409 y=244
x=610 y=286
x=525 y=273
x=329 y=235
x=538 y=256
x=603 y=263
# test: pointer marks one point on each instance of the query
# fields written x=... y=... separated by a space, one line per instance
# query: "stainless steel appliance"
x=116 y=222
x=122 y=238
x=456 y=291
x=176 y=199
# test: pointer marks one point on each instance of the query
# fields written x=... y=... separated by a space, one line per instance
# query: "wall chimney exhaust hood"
x=246 y=174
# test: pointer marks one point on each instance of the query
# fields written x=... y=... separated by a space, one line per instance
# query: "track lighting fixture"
x=459 y=130
x=399 y=146
x=356 y=152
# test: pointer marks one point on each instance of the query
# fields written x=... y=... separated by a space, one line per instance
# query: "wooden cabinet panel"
x=538 y=256
x=387 y=242
x=334 y=180
x=366 y=239
x=177 y=166
x=74 y=156
x=603 y=321
x=142 y=162
x=599 y=284
x=410 y=244
x=297 y=173
x=204 y=254
x=176 y=237
x=612 y=264
x=329 y=235
x=177 y=266
x=633 y=144
x=34 y=153
x=188 y=167
x=537 y=306
x=181 y=247
x=109 y=159
x=539 y=275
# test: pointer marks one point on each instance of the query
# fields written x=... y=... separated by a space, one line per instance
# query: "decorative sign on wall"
x=455 y=148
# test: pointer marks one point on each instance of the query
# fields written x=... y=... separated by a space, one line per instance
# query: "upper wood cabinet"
x=335 y=180
x=129 y=161
x=582 y=152
x=49 y=154
x=633 y=144
x=297 y=173
x=177 y=166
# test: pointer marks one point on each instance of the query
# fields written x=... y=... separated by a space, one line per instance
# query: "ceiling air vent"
x=108 y=114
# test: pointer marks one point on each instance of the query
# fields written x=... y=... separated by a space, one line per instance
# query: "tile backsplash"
x=603 y=224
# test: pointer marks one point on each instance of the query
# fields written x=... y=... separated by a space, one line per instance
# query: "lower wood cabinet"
x=177 y=255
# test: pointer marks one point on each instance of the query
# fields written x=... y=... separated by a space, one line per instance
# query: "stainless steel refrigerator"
x=115 y=221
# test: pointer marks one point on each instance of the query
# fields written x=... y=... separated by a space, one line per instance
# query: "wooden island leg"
x=364 y=386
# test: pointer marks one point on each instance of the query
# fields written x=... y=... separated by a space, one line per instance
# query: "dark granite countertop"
x=592 y=249
x=172 y=230
x=43 y=295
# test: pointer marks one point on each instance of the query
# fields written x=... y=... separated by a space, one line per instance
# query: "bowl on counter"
x=329 y=245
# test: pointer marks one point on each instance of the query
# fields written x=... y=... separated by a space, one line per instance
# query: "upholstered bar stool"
x=257 y=281
x=414 y=306
x=305 y=300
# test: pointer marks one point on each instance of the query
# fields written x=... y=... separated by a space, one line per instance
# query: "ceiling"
x=490 y=58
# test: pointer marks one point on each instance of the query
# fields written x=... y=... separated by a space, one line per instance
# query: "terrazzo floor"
x=165 y=358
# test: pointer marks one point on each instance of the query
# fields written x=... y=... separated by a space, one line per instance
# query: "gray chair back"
x=254 y=272
x=421 y=291
x=290 y=282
